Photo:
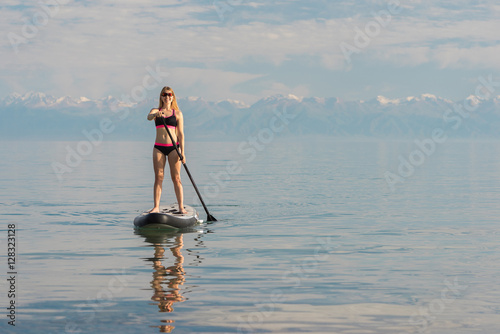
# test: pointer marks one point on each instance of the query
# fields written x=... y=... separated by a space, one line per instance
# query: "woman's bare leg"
x=159 y=161
x=175 y=173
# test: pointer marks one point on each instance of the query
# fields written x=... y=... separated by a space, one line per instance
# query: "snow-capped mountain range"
x=37 y=115
x=43 y=101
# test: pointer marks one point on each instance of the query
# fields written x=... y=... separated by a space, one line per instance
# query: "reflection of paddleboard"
x=168 y=218
x=164 y=236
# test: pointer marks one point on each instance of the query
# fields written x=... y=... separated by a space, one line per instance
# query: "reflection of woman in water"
x=174 y=275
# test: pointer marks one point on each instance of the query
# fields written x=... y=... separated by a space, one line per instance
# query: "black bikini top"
x=171 y=121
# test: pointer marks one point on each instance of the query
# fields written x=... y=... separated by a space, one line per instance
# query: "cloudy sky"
x=246 y=50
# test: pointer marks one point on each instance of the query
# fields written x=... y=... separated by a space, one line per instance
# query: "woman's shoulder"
x=154 y=109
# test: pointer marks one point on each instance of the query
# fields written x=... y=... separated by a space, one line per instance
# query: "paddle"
x=210 y=218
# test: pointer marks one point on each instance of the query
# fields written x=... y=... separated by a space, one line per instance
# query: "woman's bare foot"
x=154 y=210
x=183 y=211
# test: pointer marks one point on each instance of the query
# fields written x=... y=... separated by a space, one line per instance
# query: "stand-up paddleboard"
x=168 y=218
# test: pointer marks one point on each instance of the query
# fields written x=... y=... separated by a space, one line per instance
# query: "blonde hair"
x=174 y=99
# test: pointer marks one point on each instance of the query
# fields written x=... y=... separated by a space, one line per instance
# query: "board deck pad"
x=173 y=209
x=169 y=217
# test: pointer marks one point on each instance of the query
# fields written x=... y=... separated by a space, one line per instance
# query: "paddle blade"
x=211 y=218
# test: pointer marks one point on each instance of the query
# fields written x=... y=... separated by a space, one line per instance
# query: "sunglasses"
x=167 y=94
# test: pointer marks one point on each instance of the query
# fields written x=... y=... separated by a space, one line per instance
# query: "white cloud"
x=404 y=56
x=463 y=44
x=97 y=48
x=453 y=56
x=275 y=88
x=211 y=84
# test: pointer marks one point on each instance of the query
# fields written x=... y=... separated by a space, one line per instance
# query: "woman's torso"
x=170 y=118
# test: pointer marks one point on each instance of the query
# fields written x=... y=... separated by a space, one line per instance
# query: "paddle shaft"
x=209 y=216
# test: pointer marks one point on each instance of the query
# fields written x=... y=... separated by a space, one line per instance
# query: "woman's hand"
x=153 y=114
x=182 y=158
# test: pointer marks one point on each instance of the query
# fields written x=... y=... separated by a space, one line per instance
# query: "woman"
x=168 y=113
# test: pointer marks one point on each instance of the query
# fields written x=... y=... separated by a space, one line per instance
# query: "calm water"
x=310 y=238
